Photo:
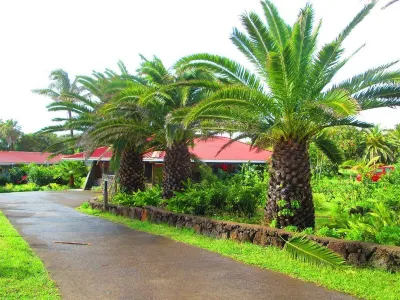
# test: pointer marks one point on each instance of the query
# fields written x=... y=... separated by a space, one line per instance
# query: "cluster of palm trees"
x=285 y=101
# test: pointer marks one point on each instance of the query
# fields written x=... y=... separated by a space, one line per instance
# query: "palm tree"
x=127 y=128
x=169 y=95
x=120 y=124
x=61 y=89
x=290 y=99
x=10 y=132
x=378 y=143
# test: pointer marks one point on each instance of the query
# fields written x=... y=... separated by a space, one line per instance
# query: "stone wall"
x=355 y=253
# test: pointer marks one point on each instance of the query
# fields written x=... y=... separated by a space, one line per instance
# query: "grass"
x=22 y=273
x=362 y=283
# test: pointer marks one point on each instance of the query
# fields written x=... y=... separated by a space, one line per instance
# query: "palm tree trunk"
x=71 y=131
x=177 y=168
x=290 y=199
x=131 y=171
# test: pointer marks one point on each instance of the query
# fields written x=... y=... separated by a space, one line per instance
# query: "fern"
x=305 y=250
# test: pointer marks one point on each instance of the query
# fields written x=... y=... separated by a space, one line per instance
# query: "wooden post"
x=105 y=195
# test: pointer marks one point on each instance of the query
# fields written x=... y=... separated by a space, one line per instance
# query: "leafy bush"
x=29 y=187
x=4 y=179
x=41 y=175
x=70 y=172
x=16 y=174
x=239 y=194
x=328 y=232
x=389 y=235
x=142 y=198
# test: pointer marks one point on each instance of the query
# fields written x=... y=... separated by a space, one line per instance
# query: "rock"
x=338 y=247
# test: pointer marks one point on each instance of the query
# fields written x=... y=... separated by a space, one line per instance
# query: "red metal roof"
x=20 y=157
x=205 y=150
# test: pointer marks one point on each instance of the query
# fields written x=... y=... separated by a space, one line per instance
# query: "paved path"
x=125 y=264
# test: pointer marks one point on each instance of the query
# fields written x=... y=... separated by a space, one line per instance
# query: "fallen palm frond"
x=305 y=250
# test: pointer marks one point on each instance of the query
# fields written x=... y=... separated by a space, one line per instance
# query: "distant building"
x=9 y=159
x=204 y=150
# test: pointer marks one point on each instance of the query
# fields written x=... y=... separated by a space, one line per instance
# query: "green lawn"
x=22 y=273
x=363 y=283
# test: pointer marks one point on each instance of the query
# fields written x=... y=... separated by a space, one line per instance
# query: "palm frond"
x=222 y=66
x=305 y=250
x=329 y=148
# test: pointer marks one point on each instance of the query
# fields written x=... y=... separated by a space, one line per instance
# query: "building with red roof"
x=207 y=151
x=9 y=159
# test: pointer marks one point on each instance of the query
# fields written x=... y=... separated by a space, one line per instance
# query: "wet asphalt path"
x=125 y=264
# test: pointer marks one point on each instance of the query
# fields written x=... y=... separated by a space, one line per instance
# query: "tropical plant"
x=69 y=170
x=378 y=143
x=10 y=132
x=168 y=96
x=61 y=89
x=290 y=99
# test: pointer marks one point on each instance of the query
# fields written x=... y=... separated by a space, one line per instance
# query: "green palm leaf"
x=305 y=250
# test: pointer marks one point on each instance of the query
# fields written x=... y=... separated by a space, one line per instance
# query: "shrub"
x=389 y=235
x=291 y=228
x=142 y=198
x=4 y=179
x=193 y=200
x=16 y=174
x=41 y=175
x=328 y=232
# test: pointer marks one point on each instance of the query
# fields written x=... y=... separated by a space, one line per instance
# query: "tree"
x=61 y=89
x=69 y=170
x=128 y=129
x=169 y=95
x=10 y=132
x=378 y=143
x=39 y=142
x=121 y=124
x=290 y=99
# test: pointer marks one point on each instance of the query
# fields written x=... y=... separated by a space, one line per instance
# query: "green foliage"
x=291 y=228
x=32 y=187
x=10 y=132
x=150 y=197
x=328 y=232
x=4 y=179
x=67 y=169
x=366 y=211
x=29 y=187
x=240 y=194
x=41 y=175
x=309 y=251
x=39 y=142
x=16 y=174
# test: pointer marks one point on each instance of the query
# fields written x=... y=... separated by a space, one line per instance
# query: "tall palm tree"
x=378 y=143
x=61 y=89
x=290 y=99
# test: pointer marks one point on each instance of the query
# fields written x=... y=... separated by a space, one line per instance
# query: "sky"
x=39 y=36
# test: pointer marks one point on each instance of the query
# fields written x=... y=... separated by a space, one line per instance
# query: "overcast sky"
x=39 y=36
